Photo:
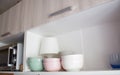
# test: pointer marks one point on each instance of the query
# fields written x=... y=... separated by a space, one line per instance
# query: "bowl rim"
x=72 y=55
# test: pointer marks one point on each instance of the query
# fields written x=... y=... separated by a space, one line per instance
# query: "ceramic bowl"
x=72 y=62
x=35 y=63
x=52 y=64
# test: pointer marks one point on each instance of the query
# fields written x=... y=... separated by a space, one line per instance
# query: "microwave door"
x=10 y=57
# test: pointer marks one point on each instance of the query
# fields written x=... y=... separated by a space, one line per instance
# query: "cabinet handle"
x=5 y=34
x=61 y=11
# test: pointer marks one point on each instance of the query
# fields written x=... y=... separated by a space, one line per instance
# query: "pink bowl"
x=52 y=64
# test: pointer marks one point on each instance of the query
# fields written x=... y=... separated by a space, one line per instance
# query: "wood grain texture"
x=11 y=21
x=4 y=18
x=86 y=4
x=18 y=19
x=27 y=14
x=39 y=13
x=32 y=13
x=6 y=74
x=77 y=6
x=0 y=25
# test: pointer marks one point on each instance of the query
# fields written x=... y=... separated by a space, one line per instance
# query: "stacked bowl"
x=69 y=62
x=72 y=62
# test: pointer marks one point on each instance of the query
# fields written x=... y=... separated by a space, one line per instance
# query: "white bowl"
x=72 y=62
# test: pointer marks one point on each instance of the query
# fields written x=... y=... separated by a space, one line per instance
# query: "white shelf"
x=105 y=72
x=110 y=72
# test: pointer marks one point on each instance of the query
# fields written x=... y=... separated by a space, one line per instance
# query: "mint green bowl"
x=35 y=63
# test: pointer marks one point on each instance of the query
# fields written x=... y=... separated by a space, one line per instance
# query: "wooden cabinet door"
x=0 y=25
x=85 y=4
x=60 y=8
x=4 y=27
x=17 y=19
x=6 y=74
x=14 y=22
x=27 y=14
x=39 y=13
x=69 y=7
x=11 y=22
x=33 y=13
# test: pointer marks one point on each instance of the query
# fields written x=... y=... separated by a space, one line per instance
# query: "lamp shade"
x=49 y=45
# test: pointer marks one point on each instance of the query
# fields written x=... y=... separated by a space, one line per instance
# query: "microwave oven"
x=11 y=57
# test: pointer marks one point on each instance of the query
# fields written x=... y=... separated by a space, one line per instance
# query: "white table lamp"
x=49 y=45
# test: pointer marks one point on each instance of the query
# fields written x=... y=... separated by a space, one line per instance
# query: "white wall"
x=97 y=44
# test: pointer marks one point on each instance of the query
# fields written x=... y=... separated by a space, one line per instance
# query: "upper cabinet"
x=56 y=9
x=31 y=13
x=11 y=22
x=37 y=12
